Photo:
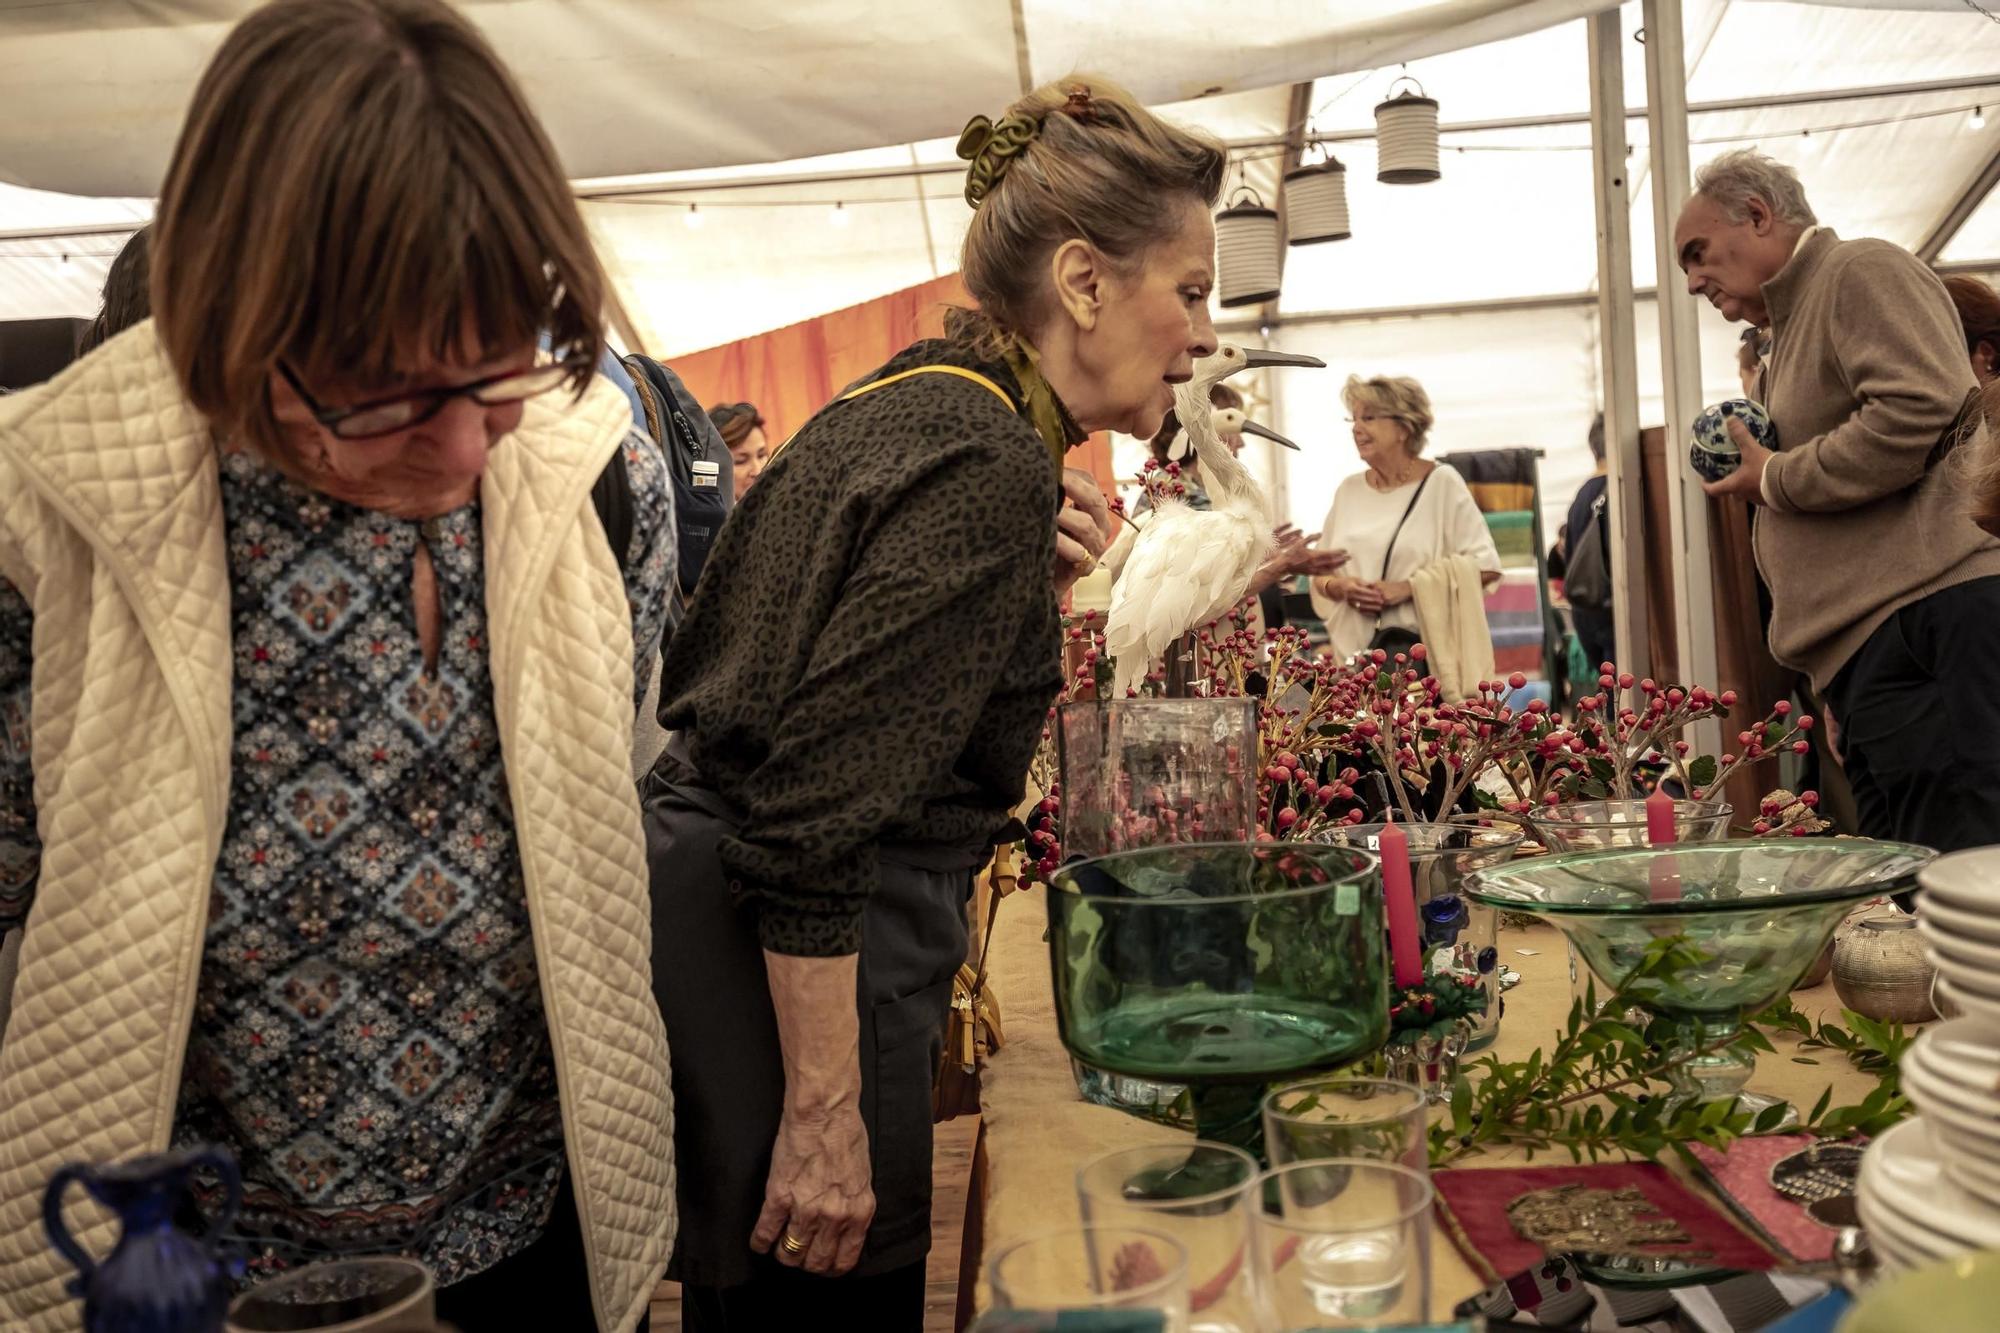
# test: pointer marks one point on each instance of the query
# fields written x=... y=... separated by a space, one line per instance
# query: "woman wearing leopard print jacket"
x=858 y=689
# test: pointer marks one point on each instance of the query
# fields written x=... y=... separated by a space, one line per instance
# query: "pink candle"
x=1660 y=818
x=1663 y=877
x=1400 y=900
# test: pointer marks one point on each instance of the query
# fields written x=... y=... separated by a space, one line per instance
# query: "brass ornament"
x=1623 y=1222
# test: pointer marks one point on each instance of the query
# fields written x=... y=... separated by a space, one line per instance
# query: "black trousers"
x=546 y=1286
x=1919 y=719
x=783 y=1298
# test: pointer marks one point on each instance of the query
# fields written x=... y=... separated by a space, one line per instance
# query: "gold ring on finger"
x=792 y=1244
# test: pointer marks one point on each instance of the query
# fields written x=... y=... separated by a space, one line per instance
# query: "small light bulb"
x=694 y=219
x=1979 y=118
x=839 y=216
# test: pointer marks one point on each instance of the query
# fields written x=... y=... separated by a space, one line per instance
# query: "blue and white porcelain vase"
x=156 y=1279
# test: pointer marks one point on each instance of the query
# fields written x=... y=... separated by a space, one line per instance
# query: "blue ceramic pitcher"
x=156 y=1279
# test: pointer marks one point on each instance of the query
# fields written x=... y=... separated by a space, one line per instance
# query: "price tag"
x=1347 y=900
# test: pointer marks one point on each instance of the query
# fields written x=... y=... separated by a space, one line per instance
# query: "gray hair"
x=1737 y=177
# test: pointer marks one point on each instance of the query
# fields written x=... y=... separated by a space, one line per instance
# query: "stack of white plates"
x=1959 y=918
x=1930 y=1187
x=1912 y=1204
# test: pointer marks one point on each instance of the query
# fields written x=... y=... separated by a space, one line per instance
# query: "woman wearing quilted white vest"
x=858 y=689
x=318 y=679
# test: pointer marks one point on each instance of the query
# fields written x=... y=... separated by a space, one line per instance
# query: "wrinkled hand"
x=819 y=1190
x=1365 y=597
x=1747 y=481
x=1083 y=528
x=1292 y=553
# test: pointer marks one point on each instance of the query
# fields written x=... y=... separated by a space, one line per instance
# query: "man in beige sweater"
x=1884 y=592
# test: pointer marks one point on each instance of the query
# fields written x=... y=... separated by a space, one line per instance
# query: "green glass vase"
x=1221 y=966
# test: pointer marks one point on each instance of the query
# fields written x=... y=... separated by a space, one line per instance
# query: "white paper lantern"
x=1316 y=204
x=1249 y=252
x=1406 y=138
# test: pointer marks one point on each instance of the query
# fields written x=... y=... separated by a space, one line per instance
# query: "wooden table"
x=1037 y=1132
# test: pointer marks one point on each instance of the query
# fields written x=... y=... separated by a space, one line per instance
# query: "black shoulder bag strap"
x=1405 y=519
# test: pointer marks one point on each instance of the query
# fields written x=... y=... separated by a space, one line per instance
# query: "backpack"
x=1587 y=580
x=697 y=463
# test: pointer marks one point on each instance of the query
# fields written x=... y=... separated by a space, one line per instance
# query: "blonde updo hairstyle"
x=1395 y=396
x=1101 y=168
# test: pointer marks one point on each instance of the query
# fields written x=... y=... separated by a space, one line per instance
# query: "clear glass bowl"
x=1220 y=965
x=1759 y=911
x=1593 y=826
x=1460 y=936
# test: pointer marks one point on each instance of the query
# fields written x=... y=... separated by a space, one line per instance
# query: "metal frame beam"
x=1680 y=359
x=1962 y=208
x=1618 y=347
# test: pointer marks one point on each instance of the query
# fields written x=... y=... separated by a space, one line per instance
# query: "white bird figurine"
x=1188 y=566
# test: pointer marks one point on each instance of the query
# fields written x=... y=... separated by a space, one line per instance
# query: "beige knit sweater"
x=1868 y=371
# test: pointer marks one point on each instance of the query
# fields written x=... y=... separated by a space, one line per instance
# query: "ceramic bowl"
x=1969 y=879
x=1904 y=1172
x=1711 y=451
x=1956 y=1295
x=1896 y=1241
x=1962 y=923
x=1970 y=1003
x=1959 y=1125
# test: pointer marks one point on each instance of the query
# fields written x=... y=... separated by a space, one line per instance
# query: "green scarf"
x=1046 y=412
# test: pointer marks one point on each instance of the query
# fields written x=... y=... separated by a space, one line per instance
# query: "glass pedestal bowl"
x=1224 y=967
x=1596 y=826
x=1757 y=911
x=1459 y=936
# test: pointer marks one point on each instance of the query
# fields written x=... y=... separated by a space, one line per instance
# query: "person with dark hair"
x=858 y=690
x=1979 y=312
x=1590 y=599
x=742 y=429
x=128 y=296
x=323 y=671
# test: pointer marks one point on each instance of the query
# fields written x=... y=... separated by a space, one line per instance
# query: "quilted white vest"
x=111 y=526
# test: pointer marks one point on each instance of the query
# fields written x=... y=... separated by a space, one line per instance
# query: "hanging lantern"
x=1406 y=137
x=1249 y=251
x=1316 y=203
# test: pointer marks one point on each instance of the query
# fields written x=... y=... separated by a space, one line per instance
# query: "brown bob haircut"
x=361 y=191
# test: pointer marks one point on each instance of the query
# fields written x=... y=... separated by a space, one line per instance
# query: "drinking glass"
x=1144 y=772
x=1205 y=1196
x=1139 y=773
x=1094 y=1268
x=1376 y=1119
x=1348 y=1247
x=372 y=1295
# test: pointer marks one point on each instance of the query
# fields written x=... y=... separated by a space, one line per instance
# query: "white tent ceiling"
x=1477 y=283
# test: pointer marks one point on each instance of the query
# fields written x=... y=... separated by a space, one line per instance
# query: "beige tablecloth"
x=1037 y=1132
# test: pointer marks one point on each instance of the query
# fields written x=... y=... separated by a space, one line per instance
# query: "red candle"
x=1663 y=877
x=1400 y=900
x=1660 y=818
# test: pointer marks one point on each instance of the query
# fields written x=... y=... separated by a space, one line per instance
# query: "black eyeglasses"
x=386 y=416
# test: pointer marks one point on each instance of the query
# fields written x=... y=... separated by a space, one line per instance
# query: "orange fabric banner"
x=790 y=373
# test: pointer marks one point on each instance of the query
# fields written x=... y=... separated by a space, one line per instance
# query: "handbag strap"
x=1391 y=549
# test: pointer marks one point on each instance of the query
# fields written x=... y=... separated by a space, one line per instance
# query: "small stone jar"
x=1881 y=972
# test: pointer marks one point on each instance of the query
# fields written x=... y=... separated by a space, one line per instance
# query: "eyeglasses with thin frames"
x=386 y=416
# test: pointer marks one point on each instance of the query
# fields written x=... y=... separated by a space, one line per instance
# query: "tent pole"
x=1680 y=361
x=1617 y=342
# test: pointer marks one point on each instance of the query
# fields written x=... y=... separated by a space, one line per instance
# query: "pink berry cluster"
x=1633 y=722
x=1162 y=481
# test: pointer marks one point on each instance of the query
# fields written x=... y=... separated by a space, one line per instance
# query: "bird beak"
x=1254 y=357
x=1266 y=433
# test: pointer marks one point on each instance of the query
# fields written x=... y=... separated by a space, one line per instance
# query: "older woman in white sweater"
x=1402 y=516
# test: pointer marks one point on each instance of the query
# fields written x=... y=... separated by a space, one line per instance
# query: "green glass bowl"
x=1220 y=962
x=1759 y=911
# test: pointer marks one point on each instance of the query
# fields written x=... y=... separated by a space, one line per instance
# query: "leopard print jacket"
x=873 y=647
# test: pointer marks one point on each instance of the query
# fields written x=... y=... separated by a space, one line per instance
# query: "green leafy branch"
x=1599 y=1090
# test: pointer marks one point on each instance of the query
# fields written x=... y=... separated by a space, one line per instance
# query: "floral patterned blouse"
x=368 y=1034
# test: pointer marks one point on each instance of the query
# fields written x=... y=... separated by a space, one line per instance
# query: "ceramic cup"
x=1711 y=451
